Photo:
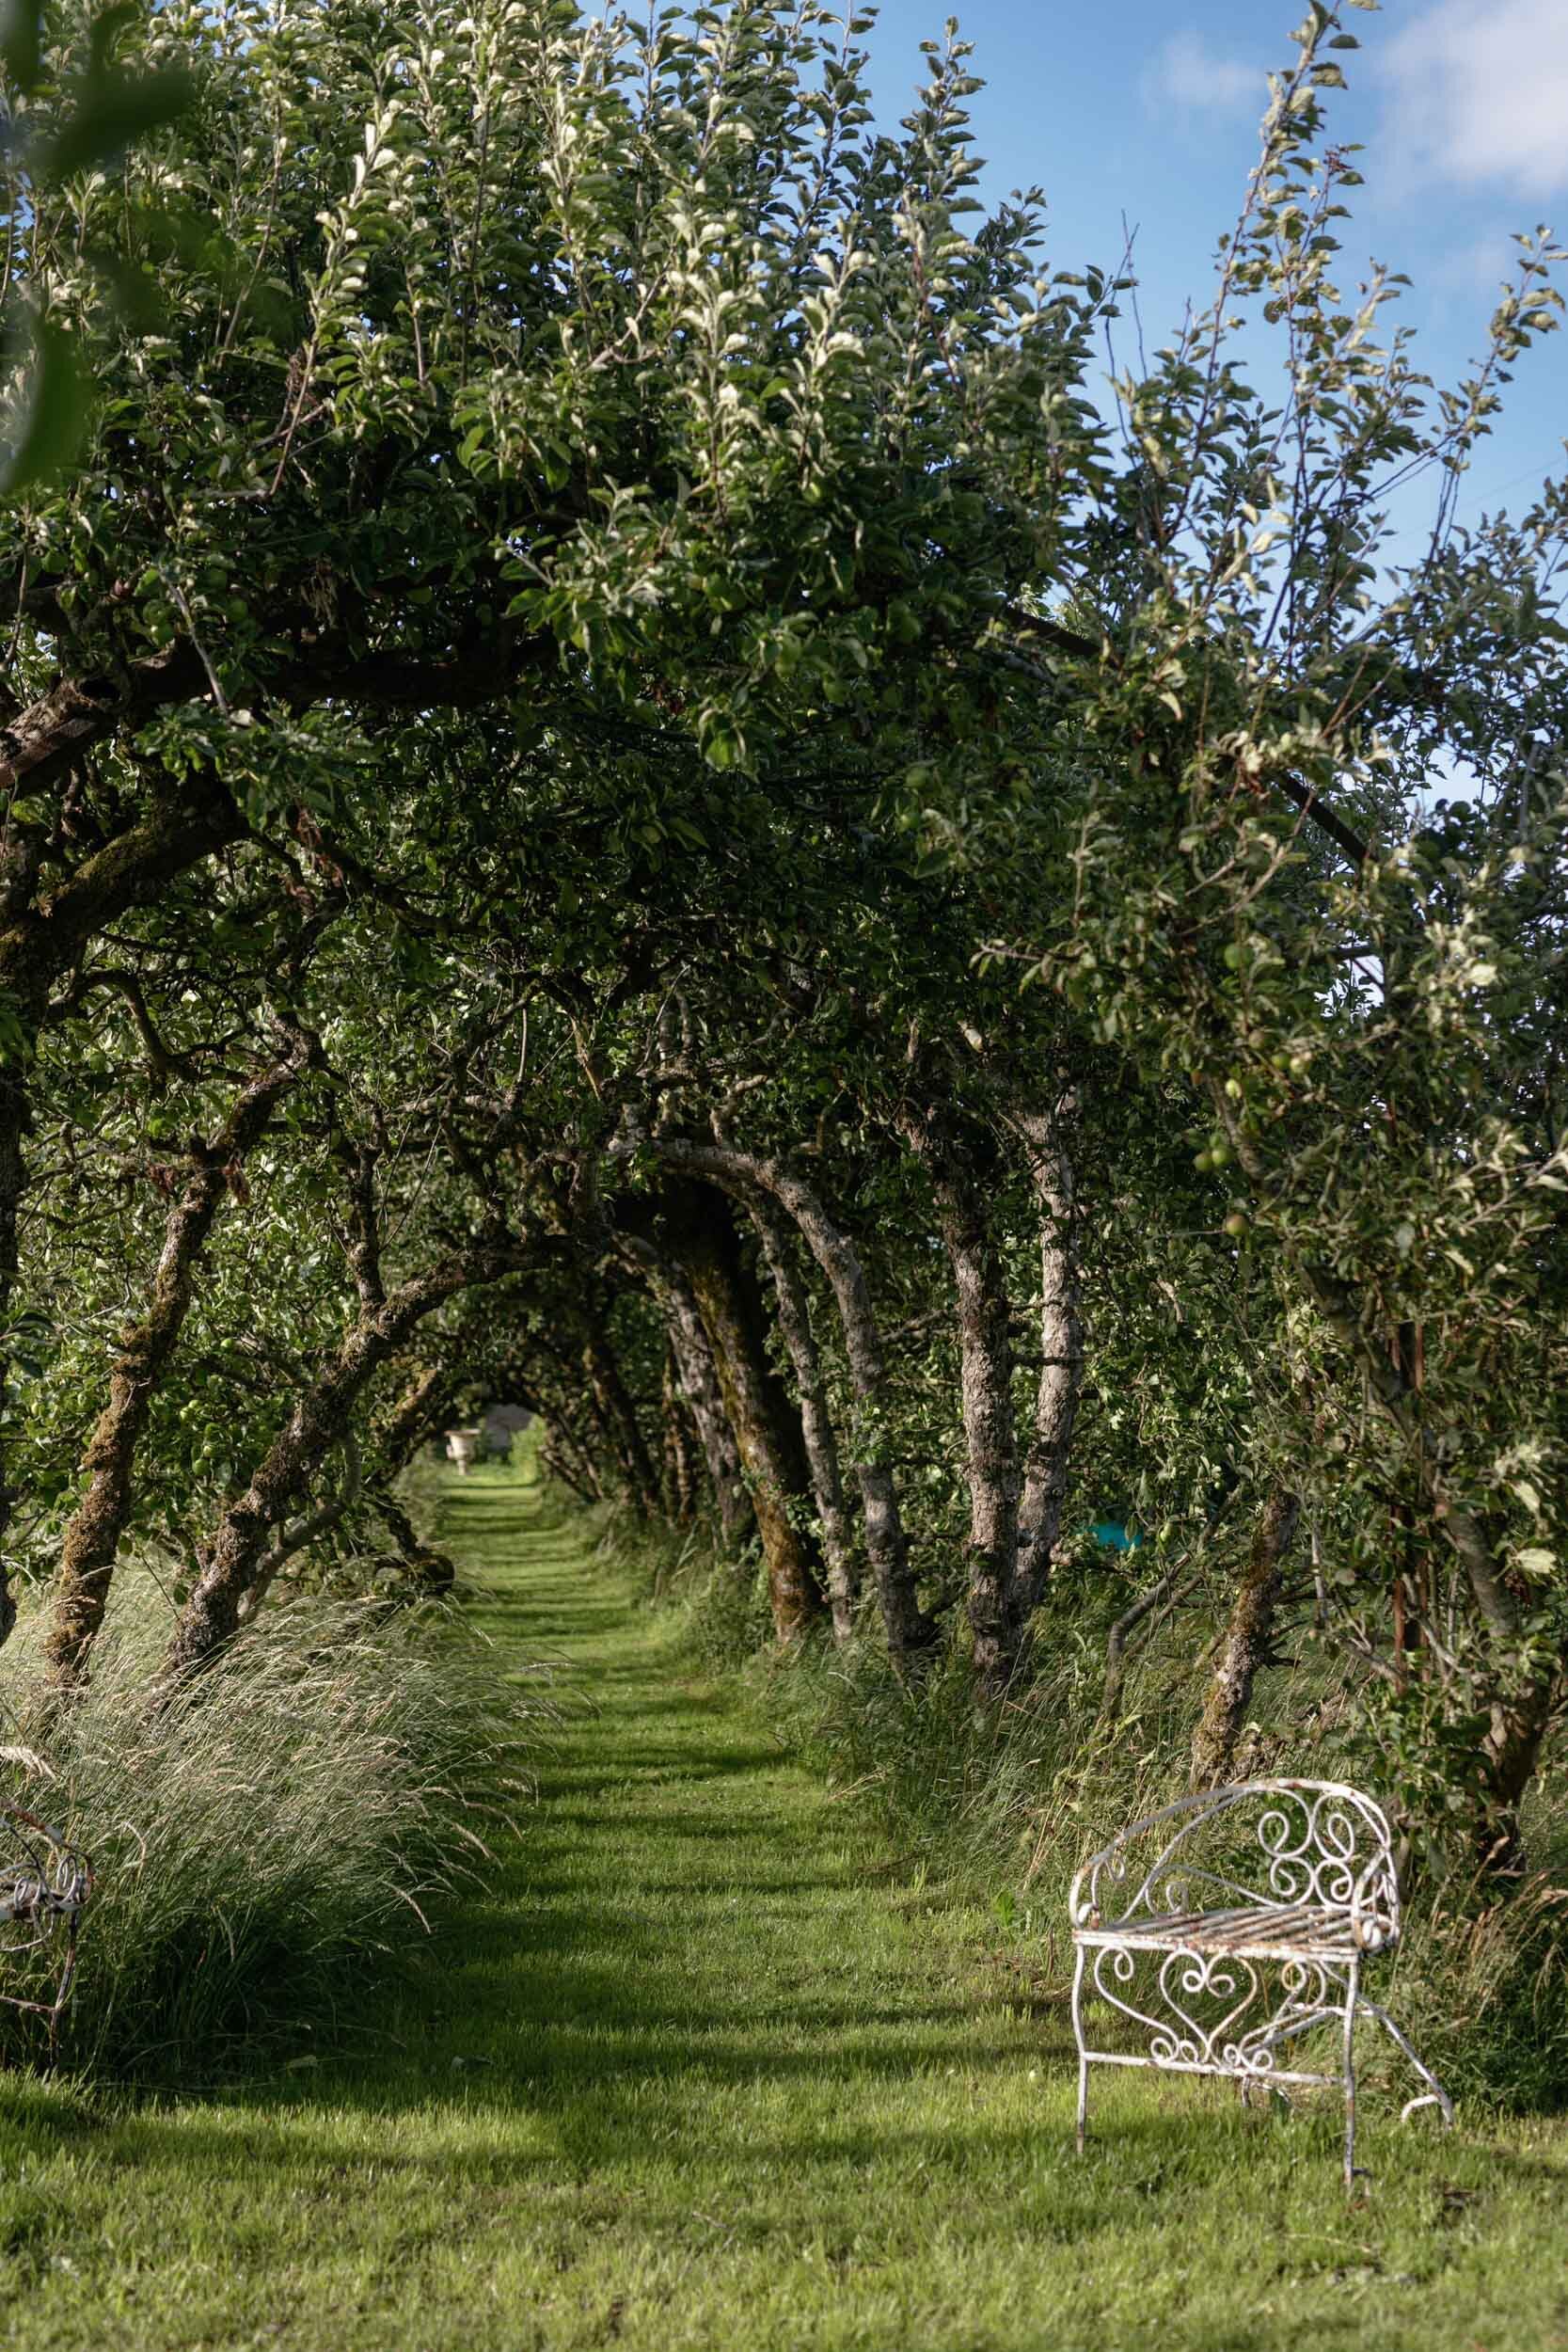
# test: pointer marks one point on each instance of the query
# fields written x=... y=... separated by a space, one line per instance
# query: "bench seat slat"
x=1264 y=1932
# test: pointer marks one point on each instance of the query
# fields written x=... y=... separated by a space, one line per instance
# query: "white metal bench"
x=1235 y=1922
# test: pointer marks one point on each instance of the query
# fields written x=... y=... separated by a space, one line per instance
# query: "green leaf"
x=107 y=29
x=113 y=112
x=21 y=42
x=55 y=415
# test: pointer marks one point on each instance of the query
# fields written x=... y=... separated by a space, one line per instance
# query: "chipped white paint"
x=1235 y=1922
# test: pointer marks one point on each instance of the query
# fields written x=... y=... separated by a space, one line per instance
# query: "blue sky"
x=1152 y=111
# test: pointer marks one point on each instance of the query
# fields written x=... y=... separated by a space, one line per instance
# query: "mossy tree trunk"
x=681 y=1477
x=910 y=1632
x=699 y=1380
x=321 y=1419
x=92 y=1538
x=960 y=1164
x=1047 y=1454
x=43 y=940
x=1245 y=1647
x=816 y=1426
x=618 y=1418
x=701 y=1232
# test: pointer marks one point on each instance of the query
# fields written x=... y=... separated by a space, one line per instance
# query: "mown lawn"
x=704 y=2070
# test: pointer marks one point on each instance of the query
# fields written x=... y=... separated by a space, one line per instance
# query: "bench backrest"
x=1265 y=1843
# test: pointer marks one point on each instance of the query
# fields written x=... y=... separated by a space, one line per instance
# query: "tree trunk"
x=292 y=1540
x=38 y=944
x=700 y=1231
x=618 y=1415
x=957 y=1168
x=1164 y=1588
x=1245 y=1647
x=1046 y=1460
x=575 y=1472
x=92 y=1538
x=1517 y=1725
x=436 y=1571
x=572 y=1451
x=424 y=1407
x=700 y=1384
x=909 y=1631
x=681 y=1474
x=413 y=1422
x=816 y=1421
x=319 y=1420
x=572 y=1437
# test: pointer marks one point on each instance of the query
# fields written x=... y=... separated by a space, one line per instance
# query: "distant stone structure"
x=463 y=1448
x=490 y=1439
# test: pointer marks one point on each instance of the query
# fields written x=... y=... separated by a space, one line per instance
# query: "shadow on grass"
x=585 y=2012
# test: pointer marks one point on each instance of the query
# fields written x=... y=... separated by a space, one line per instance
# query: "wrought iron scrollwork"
x=44 y=1886
x=1231 y=1925
x=1319 y=1844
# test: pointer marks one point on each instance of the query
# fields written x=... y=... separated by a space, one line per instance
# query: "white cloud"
x=1477 y=266
x=1187 y=74
x=1481 y=94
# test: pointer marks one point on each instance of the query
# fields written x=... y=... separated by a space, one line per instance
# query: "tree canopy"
x=627 y=789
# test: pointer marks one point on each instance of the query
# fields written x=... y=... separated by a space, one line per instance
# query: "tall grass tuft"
x=271 y=1829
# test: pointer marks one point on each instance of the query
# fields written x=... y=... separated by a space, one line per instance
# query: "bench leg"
x=1082 y=2051
x=1352 y=1998
x=1434 y=2095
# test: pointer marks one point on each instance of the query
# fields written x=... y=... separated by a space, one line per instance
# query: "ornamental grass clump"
x=262 y=1832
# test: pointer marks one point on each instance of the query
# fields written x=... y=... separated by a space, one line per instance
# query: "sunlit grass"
x=704 y=2069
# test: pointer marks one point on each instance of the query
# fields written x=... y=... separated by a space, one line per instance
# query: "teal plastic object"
x=1114 y=1537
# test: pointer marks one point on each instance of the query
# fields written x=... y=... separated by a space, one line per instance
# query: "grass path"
x=703 y=2070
